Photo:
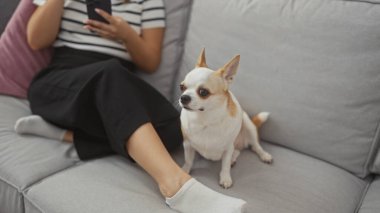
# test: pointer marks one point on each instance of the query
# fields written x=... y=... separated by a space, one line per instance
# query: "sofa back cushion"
x=7 y=8
x=177 y=16
x=314 y=65
x=376 y=164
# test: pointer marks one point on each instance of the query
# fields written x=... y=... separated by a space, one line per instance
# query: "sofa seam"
x=50 y=175
x=372 y=151
x=33 y=203
x=23 y=203
x=10 y=184
x=18 y=191
x=364 y=194
x=364 y=1
x=186 y=24
x=27 y=188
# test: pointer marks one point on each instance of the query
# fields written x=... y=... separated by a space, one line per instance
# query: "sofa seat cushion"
x=371 y=202
x=25 y=159
x=110 y=183
x=294 y=183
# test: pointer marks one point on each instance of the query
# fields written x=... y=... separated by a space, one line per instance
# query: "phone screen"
x=101 y=4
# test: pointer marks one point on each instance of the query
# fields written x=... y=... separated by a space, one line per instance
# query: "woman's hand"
x=115 y=30
x=144 y=49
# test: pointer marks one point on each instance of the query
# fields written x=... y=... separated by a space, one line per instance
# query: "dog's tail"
x=260 y=118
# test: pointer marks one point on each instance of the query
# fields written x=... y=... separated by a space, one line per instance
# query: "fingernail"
x=97 y=10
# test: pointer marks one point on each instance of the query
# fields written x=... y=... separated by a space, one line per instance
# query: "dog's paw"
x=266 y=158
x=225 y=181
x=186 y=168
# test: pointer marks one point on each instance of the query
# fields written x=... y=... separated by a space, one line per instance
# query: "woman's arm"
x=145 y=50
x=43 y=25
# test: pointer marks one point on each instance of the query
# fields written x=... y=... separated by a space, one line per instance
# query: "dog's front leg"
x=189 y=156
x=225 y=174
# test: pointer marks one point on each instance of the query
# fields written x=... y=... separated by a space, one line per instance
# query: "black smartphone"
x=101 y=4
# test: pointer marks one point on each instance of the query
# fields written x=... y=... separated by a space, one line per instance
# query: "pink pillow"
x=18 y=62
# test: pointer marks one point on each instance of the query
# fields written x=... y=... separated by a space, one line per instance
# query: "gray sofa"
x=314 y=64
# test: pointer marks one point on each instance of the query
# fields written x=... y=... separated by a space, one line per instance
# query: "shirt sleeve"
x=153 y=14
x=39 y=2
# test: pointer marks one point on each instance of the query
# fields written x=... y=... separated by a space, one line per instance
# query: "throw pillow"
x=18 y=62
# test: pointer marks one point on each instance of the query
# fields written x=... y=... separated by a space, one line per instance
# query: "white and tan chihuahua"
x=213 y=122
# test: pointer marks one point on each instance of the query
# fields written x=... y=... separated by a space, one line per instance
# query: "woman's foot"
x=182 y=192
x=194 y=197
x=36 y=125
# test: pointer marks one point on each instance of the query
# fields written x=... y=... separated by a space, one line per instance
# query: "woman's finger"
x=96 y=24
x=101 y=32
x=105 y=15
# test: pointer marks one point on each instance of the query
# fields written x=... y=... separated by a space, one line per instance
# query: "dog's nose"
x=185 y=99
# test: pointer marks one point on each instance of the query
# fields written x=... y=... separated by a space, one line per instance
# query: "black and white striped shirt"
x=140 y=14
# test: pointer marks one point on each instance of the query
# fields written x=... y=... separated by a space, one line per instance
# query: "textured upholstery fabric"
x=314 y=65
x=7 y=8
x=25 y=160
x=371 y=202
x=294 y=183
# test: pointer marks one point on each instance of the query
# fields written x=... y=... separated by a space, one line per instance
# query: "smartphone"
x=101 y=4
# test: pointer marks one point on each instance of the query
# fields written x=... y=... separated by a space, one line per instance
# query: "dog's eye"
x=182 y=87
x=203 y=92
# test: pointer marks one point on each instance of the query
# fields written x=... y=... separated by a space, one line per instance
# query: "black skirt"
x=102 y=101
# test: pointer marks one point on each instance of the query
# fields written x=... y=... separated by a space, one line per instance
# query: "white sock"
x=35 y=124
x=194 y=197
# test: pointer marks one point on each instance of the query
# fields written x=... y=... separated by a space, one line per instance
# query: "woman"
x=89 y=95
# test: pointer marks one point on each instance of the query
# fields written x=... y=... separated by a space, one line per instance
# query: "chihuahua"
x=213 y=122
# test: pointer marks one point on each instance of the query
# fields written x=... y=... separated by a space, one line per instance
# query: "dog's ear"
x=229 y=70
x=202 y=59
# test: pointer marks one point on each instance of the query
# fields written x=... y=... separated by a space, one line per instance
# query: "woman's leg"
x=146 y=148
x=182 y=192
x=68 y=136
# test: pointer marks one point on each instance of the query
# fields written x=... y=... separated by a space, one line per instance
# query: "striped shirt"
x=140 y=14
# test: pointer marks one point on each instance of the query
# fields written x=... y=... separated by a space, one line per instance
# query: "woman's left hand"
x=115 y=30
